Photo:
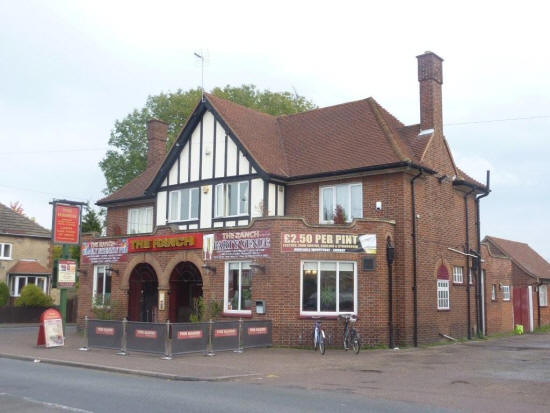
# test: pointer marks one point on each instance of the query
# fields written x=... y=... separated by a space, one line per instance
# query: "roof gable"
x=523 y=256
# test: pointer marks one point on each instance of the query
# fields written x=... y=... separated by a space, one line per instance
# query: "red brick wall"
x=499 y=314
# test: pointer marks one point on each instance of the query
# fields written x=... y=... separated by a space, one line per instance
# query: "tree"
x=4 y=294
x=91 y=221
x=127 y=156
x=17 y=207
x=33 y=296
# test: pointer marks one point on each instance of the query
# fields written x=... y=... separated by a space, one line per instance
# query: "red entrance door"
x=521 y=307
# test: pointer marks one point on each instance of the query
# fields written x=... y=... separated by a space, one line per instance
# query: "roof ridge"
x=323 y=108
x=388 y=133
x=259 y=112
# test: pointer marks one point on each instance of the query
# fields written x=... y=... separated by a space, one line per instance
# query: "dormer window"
x=184 y=205
x=340 y=203
x=232 y=199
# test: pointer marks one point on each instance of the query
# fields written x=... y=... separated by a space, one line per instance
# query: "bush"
x=33 y=296
x=104 y=308
x=4 y=294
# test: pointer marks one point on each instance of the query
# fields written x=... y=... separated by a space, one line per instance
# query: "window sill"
x=5 y=258
x=458 y=284
x=443 y=309
x=322 y=316
x=237 y=314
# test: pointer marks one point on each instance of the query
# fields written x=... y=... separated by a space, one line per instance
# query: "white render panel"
x=193 y=226
x=206 y=206
x=252 y=170
x=161 y=208
x=165 y=182
x=230 y=224
x=271 y=197
x=207 y=145
x=220 y=150
x=256 y=197
x=244 y=166
x=195 y=153
x=182 y=227
x=280 y=200
x=243 y=222
x=184 y=164
x=173 y=176
x=218 y=224
x=231 y=157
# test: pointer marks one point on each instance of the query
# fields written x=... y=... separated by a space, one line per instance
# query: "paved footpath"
x=509 y=374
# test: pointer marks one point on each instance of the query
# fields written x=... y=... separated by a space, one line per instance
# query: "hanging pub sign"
x=165 y=242
x=240 y=244
x=66 y=223
x=323 y=242
x=66 y=273
x=104 y=252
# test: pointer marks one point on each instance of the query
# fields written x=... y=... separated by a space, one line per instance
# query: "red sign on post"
x=66 y=224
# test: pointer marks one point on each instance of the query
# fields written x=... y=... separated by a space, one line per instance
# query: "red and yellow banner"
x=165 y=242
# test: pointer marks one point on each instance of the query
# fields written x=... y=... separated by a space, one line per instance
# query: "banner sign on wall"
x=104 y=252
x=240 y=244
x=165 y=242
x=66 y=224
x=66 y=273
x=323 y=242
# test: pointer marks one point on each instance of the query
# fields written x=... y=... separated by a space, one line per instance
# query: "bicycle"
x=351 y=336
x=319 y=337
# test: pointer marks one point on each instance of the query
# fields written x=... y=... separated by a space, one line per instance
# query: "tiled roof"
x=135 y=188
x=28 y=267
x=523 y=255
x=16 y=224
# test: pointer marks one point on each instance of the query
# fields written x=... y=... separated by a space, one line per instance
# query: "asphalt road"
x=38 y=387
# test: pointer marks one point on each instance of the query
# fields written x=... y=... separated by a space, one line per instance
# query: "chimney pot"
x=157 y=136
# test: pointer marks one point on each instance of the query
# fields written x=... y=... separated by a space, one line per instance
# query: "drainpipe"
x=390 y=255
x=538 y=302
x=415 y=301
x=467 y=249
x=478 y=227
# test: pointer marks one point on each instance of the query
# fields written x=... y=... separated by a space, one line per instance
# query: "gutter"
x=414 y=288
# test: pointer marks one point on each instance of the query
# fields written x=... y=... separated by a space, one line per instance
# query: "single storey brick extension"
x=342 y=209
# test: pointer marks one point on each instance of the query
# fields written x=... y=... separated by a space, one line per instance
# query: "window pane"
x=30 y=280
x=219 y=201
x=184 y=204
x=40 y=283
x=328 y=266
x=309 y=287
x=342 y=198
x=7 y=250
x=243 y=198
x=149 y=220
x=328 y=289
x=346 y=289
x=194 y=203
x=174 y=201
x=232 y=198
x=246 y=292
x=22 y=283
x=356 y=202
x=328 y=208
x=233 y=287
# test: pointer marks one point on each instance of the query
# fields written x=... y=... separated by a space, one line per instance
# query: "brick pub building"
x=293 y=217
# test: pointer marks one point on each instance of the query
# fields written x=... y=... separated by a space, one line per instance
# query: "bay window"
x=238 y=287
x=184 y=205
x=17 y=282
x=231 y=199
x=140 y=220
x=328 y=287
x=346 y=197
x=101 y=292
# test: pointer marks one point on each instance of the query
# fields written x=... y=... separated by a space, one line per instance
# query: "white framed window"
x=238 y=287
x=505 y=293
x=5 y=251
x=140 y=220
x=17 y=282
x=184 y=205
x=494 y=292
x=328 y=287
x=101 y=292
x=543 y=295
x=348 y=196
x=443 y=295
x=458 y=275
x=231 y=199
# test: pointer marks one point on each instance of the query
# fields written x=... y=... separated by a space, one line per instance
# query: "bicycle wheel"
x=356 y=343
x=315 y=340
x=322 y=342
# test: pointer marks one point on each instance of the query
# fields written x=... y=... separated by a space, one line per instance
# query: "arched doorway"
x=143 y=294
x=185 y=287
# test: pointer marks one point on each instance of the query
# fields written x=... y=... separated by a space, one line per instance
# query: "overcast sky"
x=69 y=69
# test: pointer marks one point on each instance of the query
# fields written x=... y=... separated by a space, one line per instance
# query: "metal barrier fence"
x=177 y=338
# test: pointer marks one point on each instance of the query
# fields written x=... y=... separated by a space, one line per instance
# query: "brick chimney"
x=430 y=76
x=156 y=141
